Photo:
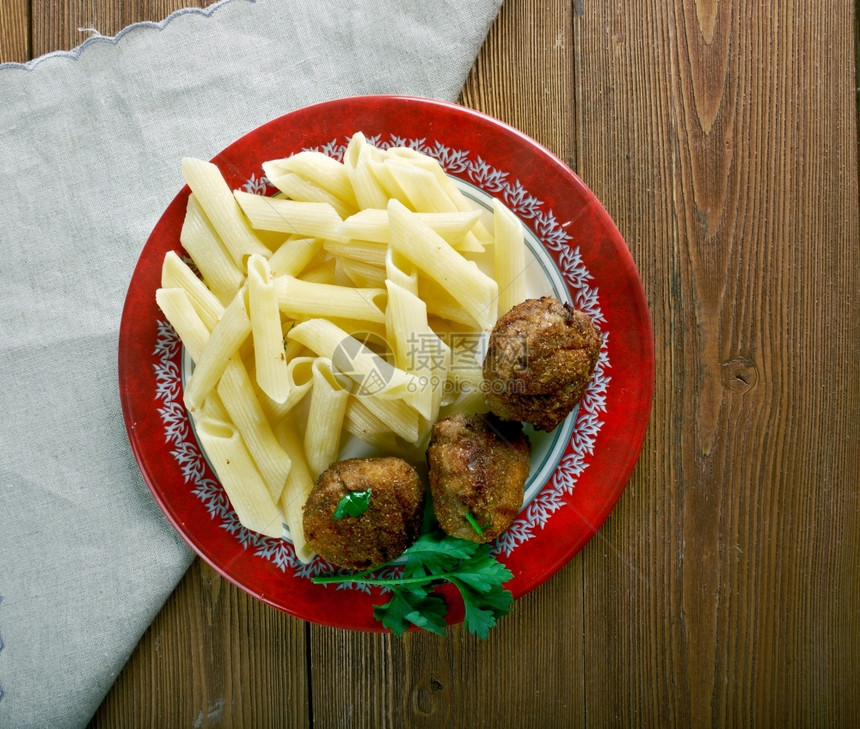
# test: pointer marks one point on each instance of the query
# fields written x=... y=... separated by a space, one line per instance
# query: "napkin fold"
x=90 y=143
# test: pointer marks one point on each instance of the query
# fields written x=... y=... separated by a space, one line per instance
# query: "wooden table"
x=724 y=589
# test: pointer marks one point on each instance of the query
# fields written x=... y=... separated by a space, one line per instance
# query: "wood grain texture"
x=721 y=138
x=15 y=31
x=723 y=590
x=524 y=74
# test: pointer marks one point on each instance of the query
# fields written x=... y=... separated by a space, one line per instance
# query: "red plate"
x=581 y=469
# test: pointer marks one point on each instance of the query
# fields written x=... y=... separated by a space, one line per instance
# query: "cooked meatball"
x=540 y=358
x=391 y=523
x=478 y=466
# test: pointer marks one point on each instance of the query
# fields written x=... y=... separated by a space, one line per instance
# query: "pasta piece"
x=216 y=265
x=213 y=408
x=300 y=376
x=302 y=299
x=306 y=219
x=240 y=478
x=387 y=181
x=183 y=317
x=295 y=255
x=371 y=333
x=417 y=349
x=361 y=274
x=298 y=188
x=400 y=271
x=421 y=188
x=325 y=418
x=325 y=272
x=236 y=392
x=317 y=168
x=216 y=200
x=228 y=335
x=509 y=257
x=270 y=361
x=370 y=372
x=360 y=422
x=298 y=486
x=462 y=279
x=467 y=400
x=398 y=414
x=175 y=273
x=475 y=239
x=371 y=224
x=444 y=306
x=368 y=191
x=359 y=250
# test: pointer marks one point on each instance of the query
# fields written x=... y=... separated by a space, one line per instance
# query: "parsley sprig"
x=434 y=560
x=353 y=503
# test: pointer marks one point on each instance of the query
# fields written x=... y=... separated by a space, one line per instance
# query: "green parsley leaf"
x=484 y=608
x=353 y=503
x=434 y=559
x=435 y=553
x=482 y=572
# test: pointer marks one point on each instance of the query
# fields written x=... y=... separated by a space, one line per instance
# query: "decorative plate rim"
x=554 y=233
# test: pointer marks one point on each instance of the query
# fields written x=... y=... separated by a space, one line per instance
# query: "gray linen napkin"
x=90 y=143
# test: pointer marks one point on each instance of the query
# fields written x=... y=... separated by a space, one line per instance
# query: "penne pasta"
x=359 y=250
x=368 y=191
x=176 y=305
x=421 y=188
x=298 y=188
x=299 y=483
x=400 y=271
x=508 y=257
x=430 y=253
x=300 y=376
x=361 y=274
x=318 y=169
x=325 y=418
x=303 y=299
x=217 y=202
x=236 y=393
x=417 y=349
x=360 y=422
x=371 y=374
x=232 y=329
x=217 y=267
x=175 y=273
x=270 y=360
x=372 y=225
x=240 y=478
x=295 y=255
x=305 y=219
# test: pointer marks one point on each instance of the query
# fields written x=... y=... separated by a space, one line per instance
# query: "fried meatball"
x=391 y=523
x=540 y=357
x=478 y=465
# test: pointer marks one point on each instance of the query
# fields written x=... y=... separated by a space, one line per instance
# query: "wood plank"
x=63 y=26
x=214 y=656
x=14 y=31
x=529 y=671
x=524 y=74
x=722 y=139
